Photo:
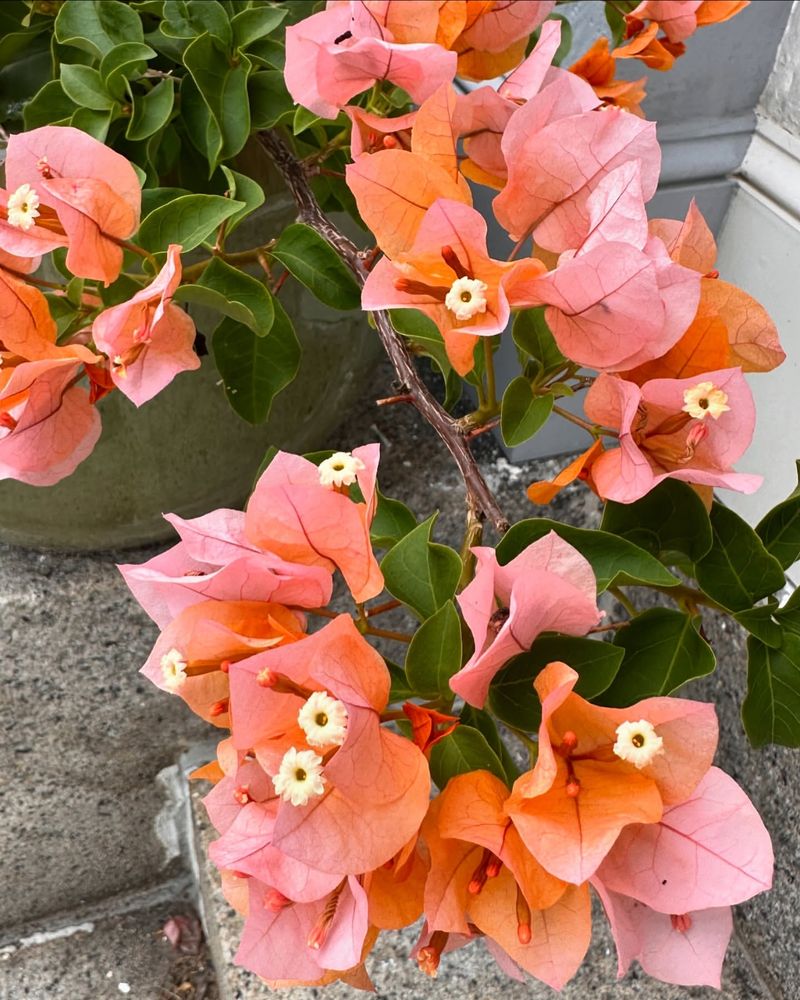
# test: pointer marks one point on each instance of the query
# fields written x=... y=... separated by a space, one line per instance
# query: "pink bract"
x=293 y=515
x=148 y=339
x=658 y=441
x=547 y=587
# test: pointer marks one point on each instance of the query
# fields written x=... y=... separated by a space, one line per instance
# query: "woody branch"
x=479 y=497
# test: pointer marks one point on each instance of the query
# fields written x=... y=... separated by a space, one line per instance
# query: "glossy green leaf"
x=303 y=119
x=663 y=651
x=96 y=26
x=188 y=19
x=737 y=571
x=512 y=697
x=771 y=710
x=240 y=288
x=244 y=189
x=255 y=369
x=670 y=519
x=614 y=560
x=392 y=521
x=434 y=653
x=314 y=262
x=151 y=111
x=779 y=528
x=269 y=98
x=187 y=220
x=421 y=573
x=480 y=719
x=533 y=338
x=254 y=23
x=763 y=623
x=400 y=689
x=222 y=83
x=85 y=86
x=464 y=750
x=49 y=106
x=522 y=412
x=94 y=123
x=122 y=63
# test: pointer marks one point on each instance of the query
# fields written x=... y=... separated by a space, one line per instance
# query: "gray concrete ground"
x=86 y=740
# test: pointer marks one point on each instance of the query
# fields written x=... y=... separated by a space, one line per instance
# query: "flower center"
x=324 y=720
x=299 y=777
x=705 y=399
x=173 y=669
x=340 y=470
x=467 y=298
x=23 y=208
x=638 y=743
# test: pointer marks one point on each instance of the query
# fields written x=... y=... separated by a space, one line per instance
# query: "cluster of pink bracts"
x=327 y=832
x=66 y=190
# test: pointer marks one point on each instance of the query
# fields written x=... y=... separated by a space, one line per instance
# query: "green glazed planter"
x=186 y=451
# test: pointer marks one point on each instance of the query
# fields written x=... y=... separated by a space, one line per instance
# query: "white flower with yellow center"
x=705 y=400
x=324 y=720
x=23 y=208
x=638 y=743
x=466 y=298
x=340 y=469
x=299 y=777
x=173 y=669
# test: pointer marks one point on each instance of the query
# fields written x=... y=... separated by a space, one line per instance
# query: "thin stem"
x=689 y=595
x=482 y=428
x=380 y=609
x=491 y=383
x=624 y=600
x=139 y=251
x=39 y=282
x=472 y=536
x=385 y=633
x=391 y=400
x=321 y=612
x=309 y=212
x=594 y=429
x=608 y=628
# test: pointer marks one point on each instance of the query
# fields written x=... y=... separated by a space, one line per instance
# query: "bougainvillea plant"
x=522 y=750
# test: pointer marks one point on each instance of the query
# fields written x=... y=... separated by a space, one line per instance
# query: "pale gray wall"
x=781 y=98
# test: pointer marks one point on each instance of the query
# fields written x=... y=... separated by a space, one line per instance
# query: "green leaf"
x=151 y=111
x=616 y=22
x=94 y=123
x=244 y=189
x=239 y=288
x=485 y=724
x=400 y=689
x=303 y=119
x=762 y=623
x=614 y=560
x=255 y=369
x=779 y=528
x=48 y=106
x=187 y=220
x=670 y=519
x=96 y=26
x=566 y=38
x=522 y=413
x=421 y=573
x=663 y=651
x=434 y=653
x=512 y=697
x=85 y=87
x=123 y=62
x=222 y=83
x=250 y=25
x=771 y=710
x=191 y=18
x=314 y=262
x=392 y=521
x=738 y=570
x=269 y=98
x=533 y=338
x=464 y=750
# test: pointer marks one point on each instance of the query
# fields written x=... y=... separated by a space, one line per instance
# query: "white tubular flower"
x=299 y=777
x=705 y=400
x=324 y=720
x=340 y=469
x=638 y=743
x=173 y=669
x=23 y=208
x=466 y=298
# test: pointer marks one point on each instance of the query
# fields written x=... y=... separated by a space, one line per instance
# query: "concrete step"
x=112 y=957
